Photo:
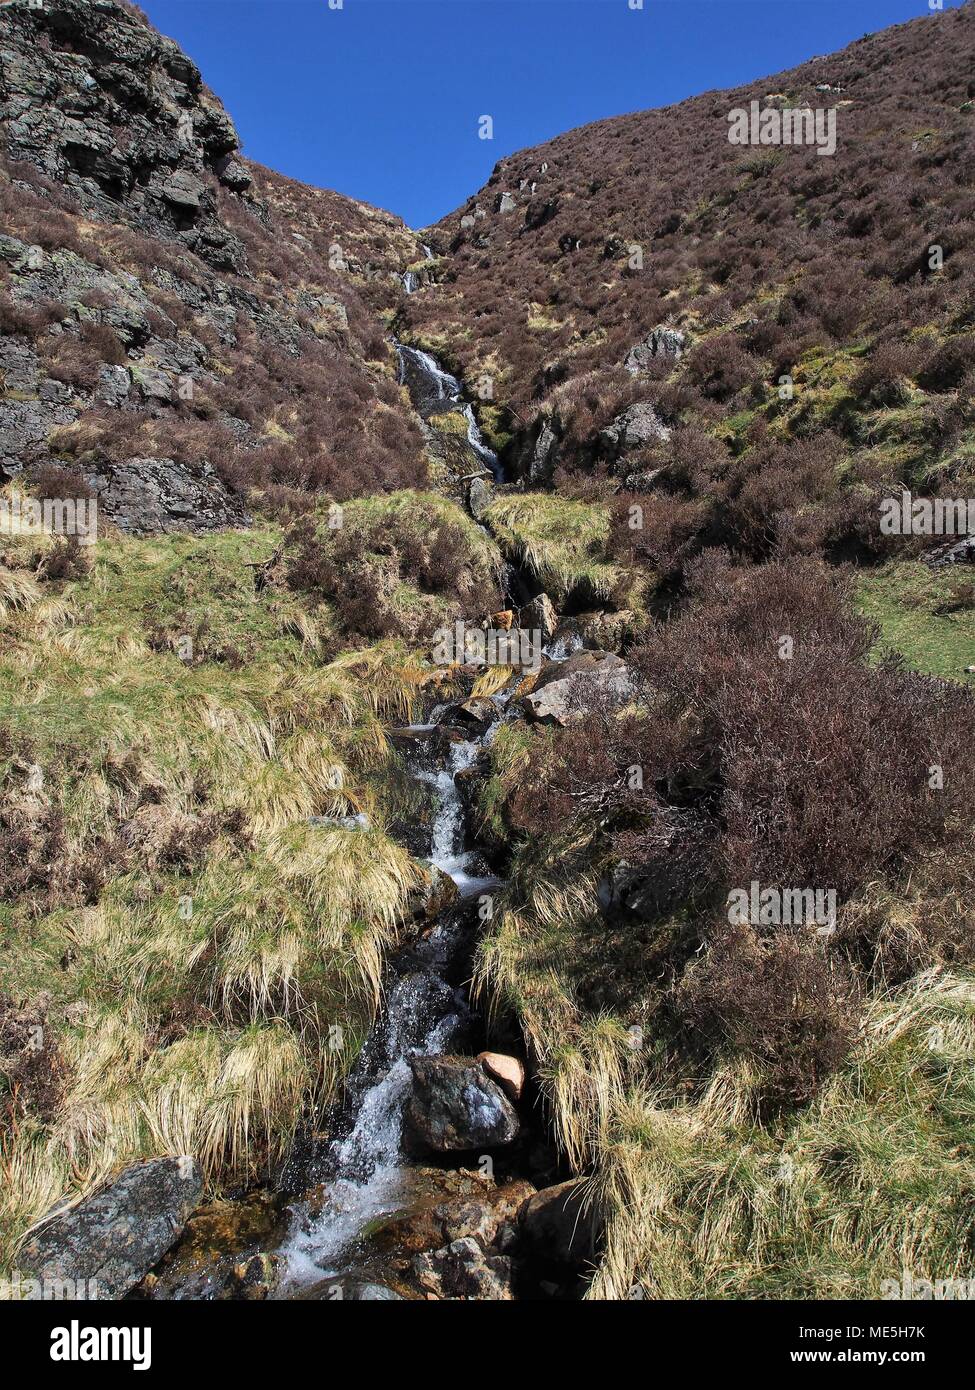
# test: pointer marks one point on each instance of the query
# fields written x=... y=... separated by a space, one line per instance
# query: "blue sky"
x=381 y=99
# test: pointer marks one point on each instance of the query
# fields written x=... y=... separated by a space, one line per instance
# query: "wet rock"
x=507 y=1071
x=456 y=1106
x=344 y=1289
x=254 y=1280
x=463 y=1270
x=115 y=1237
x=660 y=342
x=479 y=711
x=539 y=616
x=482 y=1217
x=568 y=690
x=438 y=893
x=559 y=1224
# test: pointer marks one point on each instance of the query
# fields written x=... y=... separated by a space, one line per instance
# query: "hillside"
x=283 y=886
x=164 y=300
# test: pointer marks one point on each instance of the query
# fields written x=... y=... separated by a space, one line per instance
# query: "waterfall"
x=428 y=383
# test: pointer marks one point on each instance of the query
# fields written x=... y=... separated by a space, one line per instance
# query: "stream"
x=365 y=1173
x=332 y=1220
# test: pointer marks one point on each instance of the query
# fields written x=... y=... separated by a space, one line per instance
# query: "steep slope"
x=165 y=300
x=756 y=263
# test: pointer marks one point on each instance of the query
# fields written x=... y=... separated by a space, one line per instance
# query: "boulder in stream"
x=507 y=1071
x=539 y=616
x=111 y=1240
x=568 y=690
x=462 y=1269
x=456 y=1106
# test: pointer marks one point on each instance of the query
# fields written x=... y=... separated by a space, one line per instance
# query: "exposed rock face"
x=539 y=616
x=568 y=690
x=456 y=1106
x=145 y=496
x=660 y=342
x=119 y=115
x=480 y=495
x=31 y=407
x=538 y=455
x=141 y=299
x=634 y=428
x=113 y=1238
x=559 y=1224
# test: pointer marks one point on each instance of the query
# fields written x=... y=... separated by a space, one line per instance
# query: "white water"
x=444 y=387
x=422 y=1015
x=447 y=848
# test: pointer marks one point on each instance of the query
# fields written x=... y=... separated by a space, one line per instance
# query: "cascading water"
x=429 y=384
x=365 y=1169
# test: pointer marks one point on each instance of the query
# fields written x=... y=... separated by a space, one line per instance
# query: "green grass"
x=219 y=977
x=562 y=540
x=904 y=599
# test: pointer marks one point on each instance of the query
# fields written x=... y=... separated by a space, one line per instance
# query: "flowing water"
x=364 y=1172
x=429 y=385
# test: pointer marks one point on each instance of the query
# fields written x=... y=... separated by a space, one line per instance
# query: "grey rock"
x=567 y=691
x=660 y=342
x=144 y=496
x=114 y=384
x=480 y=495
x=112 y=1239
x=117 y=115
x=538 y=455
x=634 y=428
x=539 y=616
x=456 y=1106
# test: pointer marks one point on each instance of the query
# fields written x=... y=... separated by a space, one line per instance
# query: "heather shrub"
x=780 y=1002
x=950 y=364
x=884 y=380
x=396 y=567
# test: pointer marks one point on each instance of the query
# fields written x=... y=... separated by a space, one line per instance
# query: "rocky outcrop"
x=109 y=1242
x=634 y=428
x=117 y=114
x=539 y=616
x=456 y=1106
x=660 y=342
x=538 y=453
x=566 y=691
x=147 y=496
